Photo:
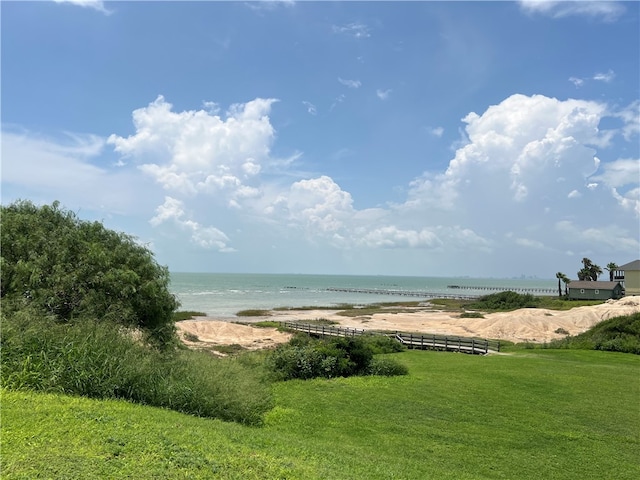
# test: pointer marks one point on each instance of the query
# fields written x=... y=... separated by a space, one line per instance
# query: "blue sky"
x=404 y=138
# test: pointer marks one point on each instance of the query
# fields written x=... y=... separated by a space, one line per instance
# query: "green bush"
x=68 y=268
x=106 y=360
x=386 y=367
x=383 y=344
x=504 y=301
x=618 y=334
x=305 y=358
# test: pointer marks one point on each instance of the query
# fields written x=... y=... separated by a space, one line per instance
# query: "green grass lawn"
x=552 y=414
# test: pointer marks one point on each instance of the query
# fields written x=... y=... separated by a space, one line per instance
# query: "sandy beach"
x=524 y=325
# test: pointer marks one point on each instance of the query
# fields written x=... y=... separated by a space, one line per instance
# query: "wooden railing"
x=410 y=340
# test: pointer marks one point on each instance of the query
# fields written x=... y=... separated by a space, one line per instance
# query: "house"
x=585 y=290
x=630 y=277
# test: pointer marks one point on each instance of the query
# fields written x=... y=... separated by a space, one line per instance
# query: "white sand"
x=524 y=325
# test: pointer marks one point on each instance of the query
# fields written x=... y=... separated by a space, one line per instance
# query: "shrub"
x=383 y=344
x=618 y=334
x=68 y=268
x=105 y=360
x=305 y=358
x=504 y=301
x=387 y=367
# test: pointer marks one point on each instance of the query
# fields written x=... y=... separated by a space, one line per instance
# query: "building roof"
x=631 y=266
x=593 y=285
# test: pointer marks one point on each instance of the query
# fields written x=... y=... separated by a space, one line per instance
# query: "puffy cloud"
x=514 y=150
x=193 y=150
x=172 y=210
x=393 y=237
x=320 y=204
x=622 y=177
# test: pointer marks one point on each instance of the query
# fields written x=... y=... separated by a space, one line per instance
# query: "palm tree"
x=566 y=281
x=560 y=276
x=595 y=271
x=584 y=274
x=611 y=268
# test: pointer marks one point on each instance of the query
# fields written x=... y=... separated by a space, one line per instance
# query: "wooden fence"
x=410 y=340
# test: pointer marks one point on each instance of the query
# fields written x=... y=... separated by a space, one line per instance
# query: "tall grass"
x=618 y=334
x=104 y=360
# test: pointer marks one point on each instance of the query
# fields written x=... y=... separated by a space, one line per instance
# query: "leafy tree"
x=611 y=268
x=71 y=269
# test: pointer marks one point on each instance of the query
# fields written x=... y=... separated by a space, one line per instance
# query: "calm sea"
x=224 y=294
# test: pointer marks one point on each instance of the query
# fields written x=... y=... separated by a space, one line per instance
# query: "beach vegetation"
x=253 y=312
x=182 y=315
x=103 y=359
x=304 y=357
x=72 y=270
x=267 y=324
x=505 y=301
x=618 y=334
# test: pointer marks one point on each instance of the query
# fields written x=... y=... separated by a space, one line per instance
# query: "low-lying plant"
x=618 y=334
x=305 y=358
x=254 y=312
x=186 y=315
x=106 y=360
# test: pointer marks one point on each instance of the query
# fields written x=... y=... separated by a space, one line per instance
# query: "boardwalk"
x=410 y=340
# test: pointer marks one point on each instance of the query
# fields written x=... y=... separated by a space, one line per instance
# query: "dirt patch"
x=208 y=333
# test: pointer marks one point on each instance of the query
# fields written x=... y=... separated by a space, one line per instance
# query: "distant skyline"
x=481 y=139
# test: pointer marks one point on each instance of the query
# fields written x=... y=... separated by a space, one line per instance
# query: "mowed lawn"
x=552 y=414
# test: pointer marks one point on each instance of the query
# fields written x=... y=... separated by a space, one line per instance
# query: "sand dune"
x=524 y=325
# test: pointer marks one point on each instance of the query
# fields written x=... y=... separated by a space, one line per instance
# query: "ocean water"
x=224 y=294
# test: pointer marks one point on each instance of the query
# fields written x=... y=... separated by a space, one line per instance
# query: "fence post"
x=473 y=345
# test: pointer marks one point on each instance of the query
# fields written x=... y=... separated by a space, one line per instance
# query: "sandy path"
x=524 y=325
x=211 y=332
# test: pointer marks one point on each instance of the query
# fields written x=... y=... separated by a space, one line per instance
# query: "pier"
x=544 y=291
x=401 y=293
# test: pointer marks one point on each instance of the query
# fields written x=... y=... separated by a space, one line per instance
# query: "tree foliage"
x=589 y=271
x=59 y=265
